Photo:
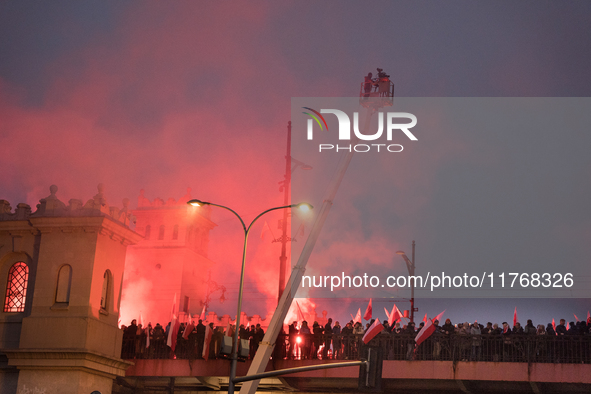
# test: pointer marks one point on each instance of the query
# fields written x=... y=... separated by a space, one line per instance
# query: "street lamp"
x=410 y=265
x=197 y=203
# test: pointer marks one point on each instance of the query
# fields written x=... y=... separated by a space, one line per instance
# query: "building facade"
x=169 y=265
x=62 y=271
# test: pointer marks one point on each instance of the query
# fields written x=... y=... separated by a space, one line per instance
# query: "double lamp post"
x=304 y=207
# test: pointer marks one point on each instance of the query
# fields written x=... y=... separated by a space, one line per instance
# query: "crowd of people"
x=155 y=342
x=461 y=342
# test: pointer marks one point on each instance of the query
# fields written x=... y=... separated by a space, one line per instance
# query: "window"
x=175 y=232
x=16 y=288
x=105 y=293
x=161 y=233
x=186 y=305
x=64 y=283
x=147 y=233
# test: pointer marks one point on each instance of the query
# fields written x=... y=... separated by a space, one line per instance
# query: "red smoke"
x=170 y=98
x=173 y=97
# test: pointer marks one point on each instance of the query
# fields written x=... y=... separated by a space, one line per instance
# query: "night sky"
x=165 y=96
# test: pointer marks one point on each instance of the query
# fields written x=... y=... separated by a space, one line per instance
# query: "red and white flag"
x=395 y=315
x=206 y=341
x=554 y=327
x=172 y=318
x=374 y=330
x=425 y=318
x=202 y=316
x=515 y=317
x=357 y=318
x=174 y=326
x=567 y=326
x=189 y=328
x=576 y=318
x=427 y=330
x=367 y=314
x=387 y=314
x=588 y=315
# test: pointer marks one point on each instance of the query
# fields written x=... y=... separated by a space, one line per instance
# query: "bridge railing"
x=455 y=347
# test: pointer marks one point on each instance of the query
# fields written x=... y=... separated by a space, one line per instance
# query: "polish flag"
x=387 y=314
x=174 y=326
x=554 y=326
x=188 y=330
x=576 y=318
x=357 y=317
x=425 y=318
x=367 y=315
x=588 y=315
x=206 y=341
x=515 y=317
x=427 y=330
x=567 y=326
x=374 y=330
x=173 y=332
x=202 y=316
x=395 y=315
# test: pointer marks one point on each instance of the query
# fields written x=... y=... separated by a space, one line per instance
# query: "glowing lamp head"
x=400 y=252
x=299 y=340
x=197 y=203
x=304 y=207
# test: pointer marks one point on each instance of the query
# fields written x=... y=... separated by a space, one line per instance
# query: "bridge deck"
x=430 y=376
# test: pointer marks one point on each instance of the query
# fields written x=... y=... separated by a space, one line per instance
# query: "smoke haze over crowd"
x=165 y=96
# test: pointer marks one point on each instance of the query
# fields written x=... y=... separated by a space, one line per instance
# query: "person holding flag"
x=173 y=328
x=426 y=331
x=373 y=330
x=200 y=331
x=207 y=341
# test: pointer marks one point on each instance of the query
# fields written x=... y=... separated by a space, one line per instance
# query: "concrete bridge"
x=195 y=376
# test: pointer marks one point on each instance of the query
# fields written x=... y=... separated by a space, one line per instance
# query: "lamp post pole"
x=410 y=265
x=238 y=313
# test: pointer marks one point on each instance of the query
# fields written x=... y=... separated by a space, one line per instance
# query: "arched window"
x=175 y=232
x=105 y=293
x=161 y=233
x=147 y=233
x=189 y=233
x=64 y=283
x=16 y=288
